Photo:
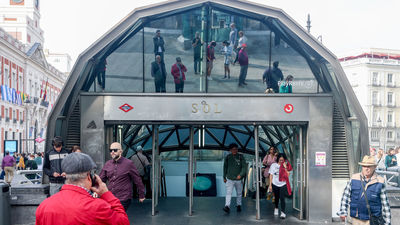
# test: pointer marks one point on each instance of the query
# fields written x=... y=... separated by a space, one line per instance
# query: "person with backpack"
x=235 y=167
x=143 y=166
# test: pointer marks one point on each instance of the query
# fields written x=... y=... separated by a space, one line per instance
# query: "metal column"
x=154 y=171
x=257 y=171
x=190 y=175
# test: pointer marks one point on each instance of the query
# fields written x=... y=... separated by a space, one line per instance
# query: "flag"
x=45 y=90
x=3 y=93
x=9 y=94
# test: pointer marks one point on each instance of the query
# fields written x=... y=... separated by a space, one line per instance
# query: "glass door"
x=299 y=173
x=155 y=171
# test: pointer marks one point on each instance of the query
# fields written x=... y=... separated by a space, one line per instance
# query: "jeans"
x=229 y=189
x=197 y=63
x=280 y=194
x=55 y=187
x=243 y=74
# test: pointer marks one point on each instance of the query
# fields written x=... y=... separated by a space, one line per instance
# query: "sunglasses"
x=114 y=149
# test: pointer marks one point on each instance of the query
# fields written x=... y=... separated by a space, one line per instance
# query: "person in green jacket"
x=391 y=160
x=31 y=165
x=286 y=87
x=235 y=167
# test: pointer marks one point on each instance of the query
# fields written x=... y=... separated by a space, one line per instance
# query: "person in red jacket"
x=178 y=72
x=76 y=202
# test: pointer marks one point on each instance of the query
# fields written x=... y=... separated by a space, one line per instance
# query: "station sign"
x=210 y=108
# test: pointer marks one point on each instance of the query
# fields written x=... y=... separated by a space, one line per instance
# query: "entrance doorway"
x=187 y=159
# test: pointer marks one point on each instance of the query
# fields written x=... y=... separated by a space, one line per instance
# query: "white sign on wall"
x=320 y=159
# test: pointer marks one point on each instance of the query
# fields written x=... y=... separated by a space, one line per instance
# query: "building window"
x=390 y=78
x=374 y=135
x=5 y=135
x=375 y=78
x=375 y=98
x=390 y=98
x=7 y=77
x=389 y=135
x=390 y=117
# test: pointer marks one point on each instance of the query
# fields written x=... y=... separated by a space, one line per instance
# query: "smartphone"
x=93 y=177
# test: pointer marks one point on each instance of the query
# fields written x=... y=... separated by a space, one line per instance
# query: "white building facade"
x=375 y=77
x=21 y=19
x=29 y=84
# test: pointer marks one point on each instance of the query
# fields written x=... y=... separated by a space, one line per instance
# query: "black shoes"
x=238 y=208
x=227 y=209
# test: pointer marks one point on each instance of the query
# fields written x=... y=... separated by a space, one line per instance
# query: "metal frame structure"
x=76 y=105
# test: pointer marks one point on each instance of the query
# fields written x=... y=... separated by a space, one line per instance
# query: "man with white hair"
x=120 y=172
x=75 y=203
x=143 y=166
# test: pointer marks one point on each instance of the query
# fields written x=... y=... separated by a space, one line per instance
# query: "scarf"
x=283 y=176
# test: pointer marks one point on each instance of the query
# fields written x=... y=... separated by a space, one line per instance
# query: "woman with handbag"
x=279 y=182
x=267 y=162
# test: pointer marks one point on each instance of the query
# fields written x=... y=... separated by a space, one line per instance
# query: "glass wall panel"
x=122 y=70
x=291 y=53
x=226 y=67
x=176 y=38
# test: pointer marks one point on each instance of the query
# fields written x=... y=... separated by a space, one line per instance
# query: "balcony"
x=378 y=104
x=376 y=84
x=14 y=120
x=391 y=85
x=391 y=124
x=7 y=119
x=391 y=105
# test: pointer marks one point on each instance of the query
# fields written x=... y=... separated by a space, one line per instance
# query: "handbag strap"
x=365 y=196
x=139 y=159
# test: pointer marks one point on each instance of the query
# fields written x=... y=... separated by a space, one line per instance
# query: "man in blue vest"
x=375 y=190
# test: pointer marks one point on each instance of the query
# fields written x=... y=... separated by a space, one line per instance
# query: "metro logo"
x=288 y=108
x=125 y=107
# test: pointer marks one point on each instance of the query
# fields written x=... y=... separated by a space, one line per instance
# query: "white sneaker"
x=276 y=212
x=283 y=215
x=209 y=78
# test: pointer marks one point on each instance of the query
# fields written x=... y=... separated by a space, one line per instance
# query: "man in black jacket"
x=159 y=45
x=159 y=74
x=52 y=165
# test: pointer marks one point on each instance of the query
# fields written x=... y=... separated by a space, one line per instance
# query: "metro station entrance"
x=187 y=161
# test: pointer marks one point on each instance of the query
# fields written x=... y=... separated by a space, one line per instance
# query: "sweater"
x=234 y=165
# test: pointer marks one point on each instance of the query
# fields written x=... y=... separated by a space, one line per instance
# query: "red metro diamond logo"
x=288 y=108
x=125 y=107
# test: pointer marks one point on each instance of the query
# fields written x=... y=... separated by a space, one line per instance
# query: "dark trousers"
x=197 y=63
x=101 y=78
x=280 y=194
x=160 y=85
x=126 y=204
x=179 y=87
x=243 y=74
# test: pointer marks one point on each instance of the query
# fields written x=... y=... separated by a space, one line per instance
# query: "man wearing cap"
x=143 y=166
x=159 y=45
x=75 y=204
x=178 y=72
x=120 y=173
x=52 y=165
x=373 y=186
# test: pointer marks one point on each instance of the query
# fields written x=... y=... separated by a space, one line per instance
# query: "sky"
x=71 y=26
